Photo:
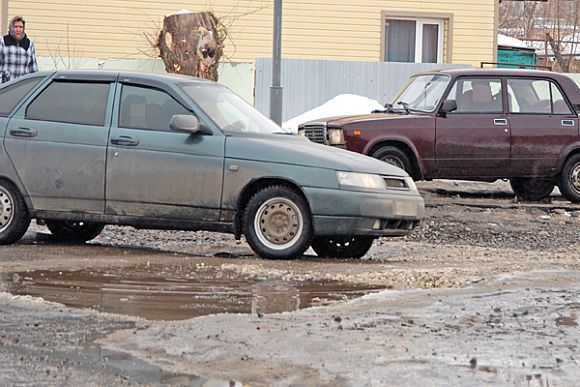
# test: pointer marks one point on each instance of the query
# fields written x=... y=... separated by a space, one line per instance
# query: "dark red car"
x=473 y=124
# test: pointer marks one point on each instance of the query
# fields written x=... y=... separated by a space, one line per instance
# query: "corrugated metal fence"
x=309 y=83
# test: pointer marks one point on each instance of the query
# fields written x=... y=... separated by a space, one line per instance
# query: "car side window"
x=536 y=96
x=147 y=108
x=12 y=93
x=559 y=105
x=75 y=102
x=477 y=95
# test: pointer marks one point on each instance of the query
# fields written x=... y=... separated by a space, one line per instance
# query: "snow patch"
x=341 y=105
x=508 y=41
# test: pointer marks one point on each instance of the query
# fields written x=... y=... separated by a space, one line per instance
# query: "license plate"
x=404 y=208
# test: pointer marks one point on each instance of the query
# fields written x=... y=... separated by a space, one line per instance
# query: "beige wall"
x=325 y=29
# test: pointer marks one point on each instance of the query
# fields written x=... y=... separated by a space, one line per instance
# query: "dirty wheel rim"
x=394 y=161
x=6 y=209
x=575 y=177
x=278 y=223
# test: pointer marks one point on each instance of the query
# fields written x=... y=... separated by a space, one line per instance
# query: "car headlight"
x=360 y=180
x=335 y=136
x=301 y=132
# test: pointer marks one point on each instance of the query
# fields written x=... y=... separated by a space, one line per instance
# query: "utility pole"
x=276 y=88
x=4 y=21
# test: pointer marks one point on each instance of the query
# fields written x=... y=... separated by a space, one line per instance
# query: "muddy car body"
x=85 y=149
x=473 y=124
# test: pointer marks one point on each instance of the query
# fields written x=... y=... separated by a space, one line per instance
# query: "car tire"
x=74 y=231
x=277 y=223
x=394 y=156
x=532 y=189
x=342 y=247
x=14 y=217
x=570 y=179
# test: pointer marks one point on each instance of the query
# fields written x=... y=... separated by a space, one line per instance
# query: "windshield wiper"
x=405 y=106
x=388 y=109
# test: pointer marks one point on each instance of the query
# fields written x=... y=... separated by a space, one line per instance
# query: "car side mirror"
x=449 y=105
x=185 y=123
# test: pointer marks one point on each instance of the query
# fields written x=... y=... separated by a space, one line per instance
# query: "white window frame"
x=419 y=23
x=419 y=38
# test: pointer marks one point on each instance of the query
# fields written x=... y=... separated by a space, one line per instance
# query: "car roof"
x=497 y=72
x=102 y=74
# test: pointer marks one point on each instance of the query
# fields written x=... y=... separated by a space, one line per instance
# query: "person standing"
x=18 y=56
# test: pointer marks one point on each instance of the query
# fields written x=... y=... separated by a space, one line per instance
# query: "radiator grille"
x=399 y=224
x=316 y=133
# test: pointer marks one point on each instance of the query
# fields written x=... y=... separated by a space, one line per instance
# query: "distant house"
x=512 y=52
x=436 y=31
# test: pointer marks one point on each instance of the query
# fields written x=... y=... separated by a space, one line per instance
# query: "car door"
x=57 y=143
x=473 y=140
x=156 y=173
x=542 y=124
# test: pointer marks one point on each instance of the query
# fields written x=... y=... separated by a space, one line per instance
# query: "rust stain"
x=569 y=321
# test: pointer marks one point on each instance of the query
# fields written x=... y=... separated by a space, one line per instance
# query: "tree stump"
x=189 y=43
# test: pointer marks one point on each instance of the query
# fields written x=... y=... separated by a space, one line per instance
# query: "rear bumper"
x=389 y=213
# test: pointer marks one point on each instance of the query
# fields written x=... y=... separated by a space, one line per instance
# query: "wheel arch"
x=569 y=178
x=256 y=185
x=417 y=173
x=570 y=151
x=20 y=189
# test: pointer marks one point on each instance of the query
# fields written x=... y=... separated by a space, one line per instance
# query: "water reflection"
x=176 y=292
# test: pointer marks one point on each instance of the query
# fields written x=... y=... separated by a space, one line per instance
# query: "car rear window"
x=12 y=94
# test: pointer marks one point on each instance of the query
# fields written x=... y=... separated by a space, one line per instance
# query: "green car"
x=84 y=149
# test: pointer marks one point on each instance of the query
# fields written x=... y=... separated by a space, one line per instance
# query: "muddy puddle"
x=176 y=292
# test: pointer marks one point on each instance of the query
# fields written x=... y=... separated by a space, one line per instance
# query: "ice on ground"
x=341 y=105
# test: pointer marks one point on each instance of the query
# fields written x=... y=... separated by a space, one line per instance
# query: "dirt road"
x=486 y=292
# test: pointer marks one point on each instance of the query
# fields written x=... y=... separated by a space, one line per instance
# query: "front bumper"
x=349 y=213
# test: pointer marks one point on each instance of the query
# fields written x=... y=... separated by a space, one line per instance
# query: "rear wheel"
x=394 y=156
x=533 y=189
x=570 y=179
x=74 y=231
x=277 y=223
x=14 y=218
x=342 y=247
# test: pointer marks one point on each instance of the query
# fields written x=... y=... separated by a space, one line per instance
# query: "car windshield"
x=422 y=93
x=230 y=112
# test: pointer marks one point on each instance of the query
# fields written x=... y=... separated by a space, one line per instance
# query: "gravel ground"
x=485 y=292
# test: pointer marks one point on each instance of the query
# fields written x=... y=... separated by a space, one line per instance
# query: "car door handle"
x=23 y=132
x=125 y=141
x=567 y=123
x=500 y=121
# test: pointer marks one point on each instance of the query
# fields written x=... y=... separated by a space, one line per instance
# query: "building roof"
x=508 y=41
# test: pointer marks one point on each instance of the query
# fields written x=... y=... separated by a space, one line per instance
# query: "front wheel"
x=570 y=179
x=277 y=223
x=74 y=231
x=395 y=156
x=533 y=189
x=14 y=218
x=342 y=247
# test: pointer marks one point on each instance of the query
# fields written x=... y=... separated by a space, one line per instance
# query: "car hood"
x=365 y=117
x=297 y=150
